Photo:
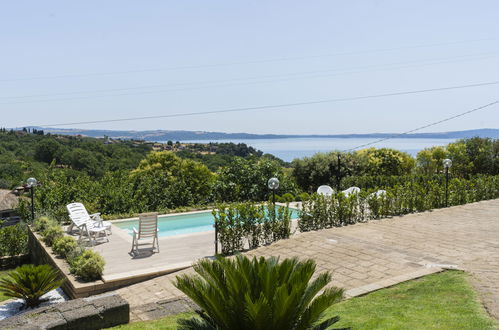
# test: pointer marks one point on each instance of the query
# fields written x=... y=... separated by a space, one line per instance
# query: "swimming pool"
x=180 y=224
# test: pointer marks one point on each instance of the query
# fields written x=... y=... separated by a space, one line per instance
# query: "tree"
x=246 y=180
x=164 y=180
x=322 y=169
x=47 y=150
x=254 y=294
x=385 y=161
x=430 y=160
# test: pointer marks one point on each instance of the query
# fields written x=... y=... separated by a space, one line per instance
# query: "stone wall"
x=97 y=312
x=41 y=254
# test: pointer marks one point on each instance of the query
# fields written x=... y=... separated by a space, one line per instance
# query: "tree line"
x=127 y=177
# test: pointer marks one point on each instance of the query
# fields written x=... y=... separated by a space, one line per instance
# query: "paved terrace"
x=368 y=256
x=176 y=252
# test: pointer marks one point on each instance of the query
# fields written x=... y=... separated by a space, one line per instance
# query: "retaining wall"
x=95 y=312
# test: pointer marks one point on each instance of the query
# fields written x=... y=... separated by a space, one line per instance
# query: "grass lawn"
x=2 y=274
x=439 y=301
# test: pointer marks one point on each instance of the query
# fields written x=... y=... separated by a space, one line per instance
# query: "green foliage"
x=64 y=246
x=51 y=233
x=430 y=160
x=30 y=283
x=385 y=161
x=43 y=222
x=88 y=266
x=469 y=157
x=322 y=168
x=287 y=198
x=245 y=293
x=387 y=181
x=412 y=196
x=13 y=240
x=303 y=197
x=257 y=225
x=23 y=155
x=164 y=180
x=246 y=180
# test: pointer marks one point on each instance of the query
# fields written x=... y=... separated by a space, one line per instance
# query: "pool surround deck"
x=176 y=252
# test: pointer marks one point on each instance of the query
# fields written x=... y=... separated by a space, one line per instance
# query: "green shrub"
x=64 y=246
x=287 y=198
x=30 y=283
x=14 y=240
x=88 y=266
x=278 y=198
x=243 y=293
x=73 y=255
x=43 y=223
x=257 y=225
x=50 y=234
x=303 y=196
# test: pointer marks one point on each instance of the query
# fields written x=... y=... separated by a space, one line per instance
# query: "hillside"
x=177 y=135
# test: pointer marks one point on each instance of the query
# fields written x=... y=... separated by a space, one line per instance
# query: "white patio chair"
x=377 y=194
x=351 y=191
x=148 y=228
x=325 y=190
x=87 y=224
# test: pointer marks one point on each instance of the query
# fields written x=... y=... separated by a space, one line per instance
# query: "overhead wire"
x=220 y=83
x=279 y=59
x=424 y=126
x=275 y=106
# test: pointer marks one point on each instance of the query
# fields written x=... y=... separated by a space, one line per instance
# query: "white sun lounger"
x=87 y=224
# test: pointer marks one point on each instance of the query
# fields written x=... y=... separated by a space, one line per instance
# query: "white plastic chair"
x=351 y=191
x=89 y=224
x=325 y=190
x=148 y=227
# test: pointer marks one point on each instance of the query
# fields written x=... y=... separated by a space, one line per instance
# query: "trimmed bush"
x=251 y=225
x=42 y=223
x=30 y=283
x=337 y=210
x=50 y=234
x=63 y=246
x=287 y=198
x=303 y=197
x=88 y=266
x=13 y=240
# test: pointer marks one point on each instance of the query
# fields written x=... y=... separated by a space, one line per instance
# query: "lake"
x=291 y=148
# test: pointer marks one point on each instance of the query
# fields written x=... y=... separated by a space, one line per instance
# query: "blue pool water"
x=172 y=225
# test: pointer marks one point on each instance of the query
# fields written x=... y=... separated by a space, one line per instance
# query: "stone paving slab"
x=367 y=256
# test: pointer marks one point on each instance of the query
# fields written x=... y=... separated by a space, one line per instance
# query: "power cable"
x=280 y=59
x=297 y=75
x=425 y=126
x=276 y=106
x=294 y=76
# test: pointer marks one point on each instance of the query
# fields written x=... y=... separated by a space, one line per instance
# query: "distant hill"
x=165 y=135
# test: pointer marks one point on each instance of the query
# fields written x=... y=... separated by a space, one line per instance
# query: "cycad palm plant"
x=30 y=283
x=243 y=293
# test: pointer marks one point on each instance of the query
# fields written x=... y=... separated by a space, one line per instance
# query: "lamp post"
x=338 y=174
x=447 y=164
x=31 y=183
x=273 y=185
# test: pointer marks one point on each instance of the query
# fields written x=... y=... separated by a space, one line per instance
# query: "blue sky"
x=68 y=61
